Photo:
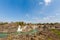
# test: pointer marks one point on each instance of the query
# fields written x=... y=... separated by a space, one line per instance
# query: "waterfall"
x=19 y=29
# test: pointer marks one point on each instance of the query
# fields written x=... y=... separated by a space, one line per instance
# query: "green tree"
x=21 y=23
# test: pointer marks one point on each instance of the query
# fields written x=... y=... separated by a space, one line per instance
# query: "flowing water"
x=19 y=31
x=3 y=35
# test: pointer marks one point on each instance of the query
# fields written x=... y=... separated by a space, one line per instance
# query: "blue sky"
x=34 y=11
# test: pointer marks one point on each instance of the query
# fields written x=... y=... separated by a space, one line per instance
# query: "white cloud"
x=27 y=15
x=40 y=3
x=57 y=14
x=47 y=2
x=36 y=18
x=46 y=18
x=49 y=17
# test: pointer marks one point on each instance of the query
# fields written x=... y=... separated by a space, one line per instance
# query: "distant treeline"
x=2 y=23
x=23 y=23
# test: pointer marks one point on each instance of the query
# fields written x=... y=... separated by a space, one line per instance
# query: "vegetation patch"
x=49 y=39
x=55 y=31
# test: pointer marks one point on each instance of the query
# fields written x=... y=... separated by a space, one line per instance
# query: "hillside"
x=46 y=31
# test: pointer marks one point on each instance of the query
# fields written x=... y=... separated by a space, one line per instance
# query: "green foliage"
x=57 y=32
x=2 y=23
x=20 y=23
x=49 y=39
